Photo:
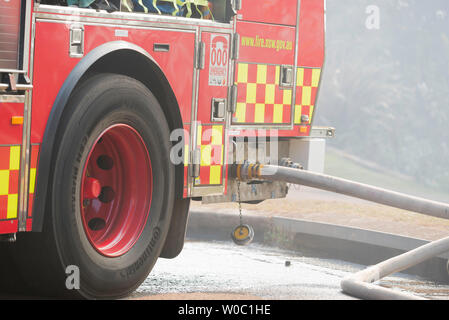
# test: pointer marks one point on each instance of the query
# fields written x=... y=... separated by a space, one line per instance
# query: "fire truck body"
x=252 y=72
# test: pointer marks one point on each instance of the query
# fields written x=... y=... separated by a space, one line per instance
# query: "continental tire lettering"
x=82 y=147
x=75 y=170
x=147 y=253
x=74 y=177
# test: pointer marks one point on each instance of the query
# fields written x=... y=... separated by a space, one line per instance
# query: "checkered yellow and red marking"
x=261 y=100
x=307 y=82
x=9 y=187
x=210 y=141
x=9 y=182
x=33 y=171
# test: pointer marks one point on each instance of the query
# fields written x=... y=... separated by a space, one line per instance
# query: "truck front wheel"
x=112 y=193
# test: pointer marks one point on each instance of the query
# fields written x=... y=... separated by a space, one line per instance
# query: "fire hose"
x=360 y=284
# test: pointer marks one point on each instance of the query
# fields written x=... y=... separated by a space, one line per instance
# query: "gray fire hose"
x=359 y=284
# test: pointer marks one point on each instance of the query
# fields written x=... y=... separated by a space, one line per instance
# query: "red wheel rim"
x=116 y=190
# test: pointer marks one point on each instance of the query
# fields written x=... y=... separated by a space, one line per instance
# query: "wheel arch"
x=134 y=62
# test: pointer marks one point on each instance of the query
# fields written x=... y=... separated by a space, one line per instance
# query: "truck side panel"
x=310 y=58
x=261 y=106
x=264 y=48
x=53 y=64
x=275 y=12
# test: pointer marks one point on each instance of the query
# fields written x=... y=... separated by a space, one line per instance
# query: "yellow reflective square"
x=4 y=182
x=240 y=112
x=217 y=136
x=251 y=89
x=205 y=155
x=259 y=113
x=32 y=179
x=306 y=96
x=278 y=113
x=297 y=114
x=269 y=93
x=242 y=73
x=287 y=98
x=12 y=206
x=261 y=73
x=300 y=77
x=316 y=77
x=215 y=175
x=14 y=158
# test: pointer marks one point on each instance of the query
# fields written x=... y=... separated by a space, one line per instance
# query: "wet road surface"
x=261 y=272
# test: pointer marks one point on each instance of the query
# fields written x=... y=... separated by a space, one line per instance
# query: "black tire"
x=100 y=102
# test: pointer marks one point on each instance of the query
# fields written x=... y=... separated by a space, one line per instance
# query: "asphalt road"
x=207 y=269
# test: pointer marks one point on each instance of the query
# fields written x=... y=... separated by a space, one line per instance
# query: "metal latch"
x=200 y=55
x=196 y=162
x=76 y=41
x=218 y=111
x=235 y=46
x=232 y=106
x=286 y=76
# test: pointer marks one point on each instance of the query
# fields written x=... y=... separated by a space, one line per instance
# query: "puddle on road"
x=262 y=271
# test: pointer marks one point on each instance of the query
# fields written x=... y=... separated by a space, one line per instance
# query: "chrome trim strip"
x=24 y=87
x=19 y=87
x=26 y=141
x=295 y=65
x=27 y=39
x=12 y=71
x=25 y=164
x=193 y=117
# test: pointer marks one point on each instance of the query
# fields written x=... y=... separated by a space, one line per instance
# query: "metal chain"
x=240 y=203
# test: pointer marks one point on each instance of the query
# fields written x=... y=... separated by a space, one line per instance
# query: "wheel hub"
x=116 y=190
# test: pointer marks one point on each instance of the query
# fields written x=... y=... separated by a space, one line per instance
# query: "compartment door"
x=264 y=70
x=11 y=120
x=208 y=139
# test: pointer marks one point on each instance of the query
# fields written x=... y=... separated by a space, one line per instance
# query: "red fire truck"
x=115 y=114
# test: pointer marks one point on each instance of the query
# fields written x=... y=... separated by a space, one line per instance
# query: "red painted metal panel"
x=10 y=134
x=53 y=64
x=8 y=226
x=277 y=12
x=263 y=49
x=208 y=88
x=311 y=34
